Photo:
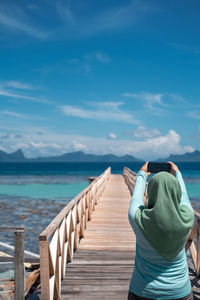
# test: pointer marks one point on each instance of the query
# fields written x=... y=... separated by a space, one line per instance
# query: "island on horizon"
x=80 y=156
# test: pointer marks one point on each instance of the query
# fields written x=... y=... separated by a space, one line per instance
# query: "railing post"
x=44 y=269
x=198 y=248
x=19 y=264
x=129 y=178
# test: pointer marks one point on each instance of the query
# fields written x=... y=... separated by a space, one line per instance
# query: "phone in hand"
x=156 y=167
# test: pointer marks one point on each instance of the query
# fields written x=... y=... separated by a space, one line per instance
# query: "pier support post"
x=19 y=264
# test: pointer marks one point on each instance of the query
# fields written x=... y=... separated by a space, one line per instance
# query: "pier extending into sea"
x=87 y=252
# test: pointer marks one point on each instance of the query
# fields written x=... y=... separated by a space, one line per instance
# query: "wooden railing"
x=59 y=240
x=193 y=242
x=129 y=177
x=194 y=238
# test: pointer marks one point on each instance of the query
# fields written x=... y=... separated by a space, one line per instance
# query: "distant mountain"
x=77 y=156
x=17 y=156
x=80 y=156
x=187 y=157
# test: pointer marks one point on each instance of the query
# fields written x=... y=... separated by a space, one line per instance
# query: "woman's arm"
x=184 y=196
x=138 y=194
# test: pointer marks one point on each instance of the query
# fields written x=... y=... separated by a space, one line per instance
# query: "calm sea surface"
x=32 y=194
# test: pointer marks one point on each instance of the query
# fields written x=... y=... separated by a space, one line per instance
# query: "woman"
x=161 y=230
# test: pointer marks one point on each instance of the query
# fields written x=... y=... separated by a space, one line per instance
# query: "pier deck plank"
x=103 y=264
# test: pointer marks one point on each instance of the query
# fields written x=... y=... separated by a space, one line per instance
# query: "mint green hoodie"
x=155 y=276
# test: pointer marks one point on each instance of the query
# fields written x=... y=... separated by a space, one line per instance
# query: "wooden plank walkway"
x=103 y=264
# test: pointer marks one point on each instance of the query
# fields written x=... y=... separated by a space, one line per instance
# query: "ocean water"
x=32 y=194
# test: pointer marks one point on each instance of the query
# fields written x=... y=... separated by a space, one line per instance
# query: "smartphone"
x=155 y=167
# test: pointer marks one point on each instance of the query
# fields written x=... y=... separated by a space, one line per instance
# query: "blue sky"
x=105 y=76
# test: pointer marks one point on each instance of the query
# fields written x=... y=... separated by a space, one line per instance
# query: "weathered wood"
x=46 y=268
x=19 y=264
x=104 y=259
x=197 y=215
x=59 y=240
x=31 y=279
x=58 y=219
x=103 y=264
x=191 y=237
x=11 y=228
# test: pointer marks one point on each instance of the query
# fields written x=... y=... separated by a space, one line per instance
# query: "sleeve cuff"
x=143 y=173
x=177 y=173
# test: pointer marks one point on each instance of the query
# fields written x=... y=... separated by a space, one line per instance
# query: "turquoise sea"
x=32 y=194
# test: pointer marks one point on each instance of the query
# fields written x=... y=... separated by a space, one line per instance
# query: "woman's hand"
x=173 y=168
x=144 y=168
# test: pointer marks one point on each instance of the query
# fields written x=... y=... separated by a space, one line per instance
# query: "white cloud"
x=65 y=12
x=19 y=85
x=45 y=145
x=55 y=143
x=13 y=114
x=179 y=99
x=39 y=148
x=184 y=48
x=87 y=68
x=152 y=102
x=148 y=97
x=86 y=62
x=79 y=147
x=110 y=19
x=159 y=147
x=20 y=146
x=14 y=18
x=32 y=7
x=99 y=56
x=11 y=94
x=142 y=132
x=103 y=111
x=5 y=136
x=73 y=18
x=2 y=148
x=5 y=93
x=112 y=136
x=193 y=115
x=189 y=149
x=102 y=57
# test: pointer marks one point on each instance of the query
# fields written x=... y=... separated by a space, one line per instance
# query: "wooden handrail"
x=11 y=228
x=58 y=219
x=193 y=242
x=197 y=214
x=61 y=237
x=130 y=177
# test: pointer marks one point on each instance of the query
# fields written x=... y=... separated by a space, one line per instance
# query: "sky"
x=100 y=76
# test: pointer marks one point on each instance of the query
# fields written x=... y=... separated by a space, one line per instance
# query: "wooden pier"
x=103 y=264
x=88 y=250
